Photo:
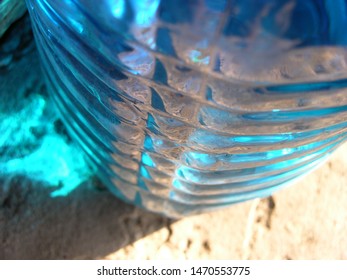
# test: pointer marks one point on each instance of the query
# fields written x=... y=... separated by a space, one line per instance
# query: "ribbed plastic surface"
x=187 y=106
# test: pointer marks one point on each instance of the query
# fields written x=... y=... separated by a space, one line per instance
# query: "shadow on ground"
x=87 y=224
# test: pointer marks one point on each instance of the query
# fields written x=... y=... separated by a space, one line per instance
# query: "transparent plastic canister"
x=186 y=106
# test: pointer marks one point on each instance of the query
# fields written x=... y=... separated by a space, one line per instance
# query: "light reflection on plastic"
x=145 y=11
x=117 y=8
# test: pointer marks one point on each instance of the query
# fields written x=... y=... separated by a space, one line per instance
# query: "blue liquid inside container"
x=189 y=106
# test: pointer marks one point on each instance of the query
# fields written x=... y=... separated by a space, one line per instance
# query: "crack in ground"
x=168 y=226
x=260 y=215
x=271 y=205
